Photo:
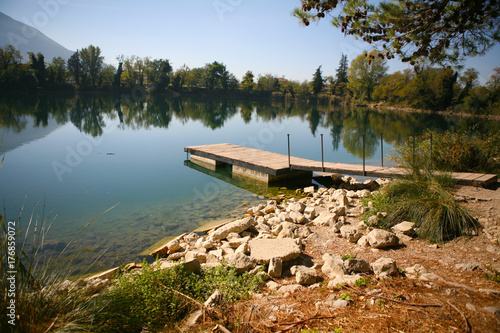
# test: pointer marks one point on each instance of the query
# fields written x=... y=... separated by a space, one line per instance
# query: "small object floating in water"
x=110 y=154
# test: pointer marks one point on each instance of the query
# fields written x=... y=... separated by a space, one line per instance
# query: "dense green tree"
x=9 y=55
x=467 y=81
x=216 y=76
x=37 y=64
x=118 y=75
x=440 y=30
x=158 y=73
x=15 y=75
x=180 y=77
x=194 y=78
x=248 y=84
x=107 y=78
x=75 y=67
x=92 y=62
x=394 y=88
x=317 y=83
x=339 y=85
x=267 y=82
x=364 y=74
x=57 y=70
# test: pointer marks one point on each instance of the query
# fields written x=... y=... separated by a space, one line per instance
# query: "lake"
x=69 y=158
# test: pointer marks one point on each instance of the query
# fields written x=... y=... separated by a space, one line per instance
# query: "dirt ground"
x=459 y=299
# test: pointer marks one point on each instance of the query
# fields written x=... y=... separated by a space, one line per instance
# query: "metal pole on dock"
x=289 y=164
x=322 y=156
x=364 y=171
x=382 y=148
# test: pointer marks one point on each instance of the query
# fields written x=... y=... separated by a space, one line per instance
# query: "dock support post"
x=289 y=164
x=322 y=156
x=364 y=171
x=382 y=149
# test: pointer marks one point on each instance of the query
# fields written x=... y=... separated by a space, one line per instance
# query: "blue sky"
x=255 y=35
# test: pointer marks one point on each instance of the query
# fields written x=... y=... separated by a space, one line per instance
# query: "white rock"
x=351 y=233
x=236 y=226
x=356 y=265
x=379 y=239
x=406 y=228
x=363 y=241
x=241 y=262
x=387 y=265
x=296 y=207
x=333 y=265
x=275 y=267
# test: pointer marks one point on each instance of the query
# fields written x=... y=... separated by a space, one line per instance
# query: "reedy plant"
x=421 y=196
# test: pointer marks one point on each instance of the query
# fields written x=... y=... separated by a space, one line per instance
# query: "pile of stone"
x=273 y=233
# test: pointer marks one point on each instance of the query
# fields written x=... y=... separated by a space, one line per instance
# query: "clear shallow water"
x=79 y=156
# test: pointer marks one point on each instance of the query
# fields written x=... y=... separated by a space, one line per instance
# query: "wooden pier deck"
x=269 y=167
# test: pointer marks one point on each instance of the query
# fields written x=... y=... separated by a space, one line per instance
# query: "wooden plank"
x=277 y=164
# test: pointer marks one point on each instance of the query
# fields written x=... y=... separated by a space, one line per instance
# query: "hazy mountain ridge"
x=28 y=39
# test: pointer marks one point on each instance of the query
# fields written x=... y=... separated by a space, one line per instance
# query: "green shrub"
x=147 y=300
x=457 y=152
x=422 y=196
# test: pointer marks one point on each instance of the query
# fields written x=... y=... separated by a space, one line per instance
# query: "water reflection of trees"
x=89 y=114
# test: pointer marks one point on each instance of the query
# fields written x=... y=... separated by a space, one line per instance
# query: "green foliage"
x=317 y=83
x=247 y=83
x=440 y=31
x=364 y=74
x=147 y=300
x=348 y=256
x=91 y=64
x=346 y=296
x=458 y=152
x=492 y=274
x=363 y=282
x=424 y=201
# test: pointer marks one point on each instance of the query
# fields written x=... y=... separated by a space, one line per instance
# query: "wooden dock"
x=271 y=167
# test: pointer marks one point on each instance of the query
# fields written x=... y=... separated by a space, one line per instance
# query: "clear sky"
x=256 y=35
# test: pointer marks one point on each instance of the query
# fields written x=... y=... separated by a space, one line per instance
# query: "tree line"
x=364 y=80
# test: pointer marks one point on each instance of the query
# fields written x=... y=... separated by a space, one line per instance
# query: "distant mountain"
x=28 y=39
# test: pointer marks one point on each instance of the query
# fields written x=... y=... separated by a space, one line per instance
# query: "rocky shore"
x=318 y=245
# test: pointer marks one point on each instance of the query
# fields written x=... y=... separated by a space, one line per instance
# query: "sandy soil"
x=457 y=301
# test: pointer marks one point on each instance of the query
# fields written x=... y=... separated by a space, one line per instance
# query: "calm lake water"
x=70 y=158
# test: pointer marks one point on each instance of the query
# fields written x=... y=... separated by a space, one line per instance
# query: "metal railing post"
x=289 y=164
x=322 y=156
x=382 y=148
x=364 y=171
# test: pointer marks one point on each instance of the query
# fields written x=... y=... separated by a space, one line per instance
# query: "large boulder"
x=333 y=265
x=405 y=228
x=380 y=239
x=306 y=275
x=236 y=226
x=356 y=266
x=241 y=262
x=351 y=233
x=387 y=265
x=263 y=250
